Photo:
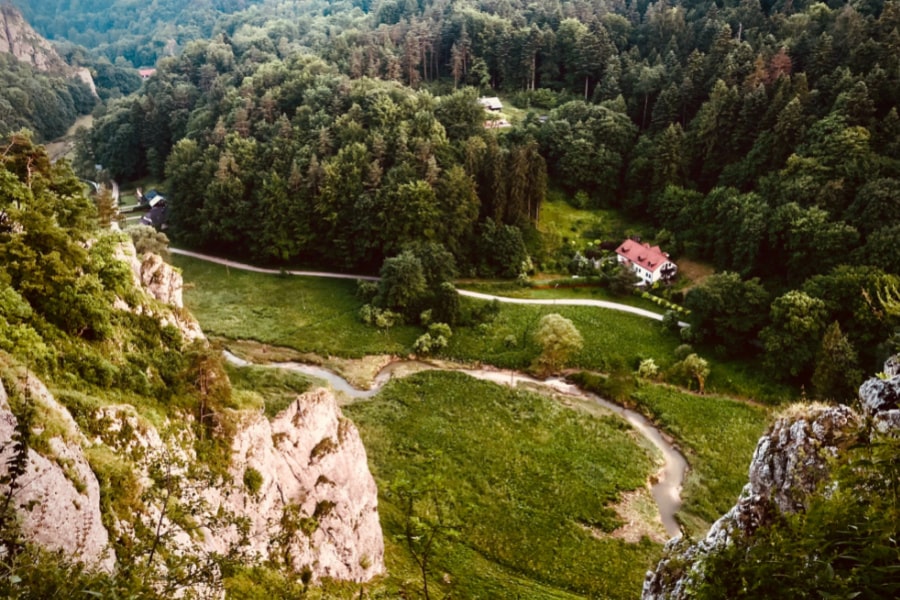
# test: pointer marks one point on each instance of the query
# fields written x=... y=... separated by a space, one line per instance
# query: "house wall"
x=648 y=277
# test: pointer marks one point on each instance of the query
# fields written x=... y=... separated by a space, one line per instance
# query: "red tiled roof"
x=650 y=258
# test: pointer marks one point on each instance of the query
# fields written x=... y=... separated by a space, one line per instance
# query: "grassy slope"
x=718 y=436
x=578 y=227
x=521 y=472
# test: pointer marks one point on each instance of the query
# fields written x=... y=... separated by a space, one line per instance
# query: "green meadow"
x=717 y=436
x=526 y=482
x=308 y=314
x=319 y=315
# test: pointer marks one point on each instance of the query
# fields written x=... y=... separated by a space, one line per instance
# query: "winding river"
x=666 y=489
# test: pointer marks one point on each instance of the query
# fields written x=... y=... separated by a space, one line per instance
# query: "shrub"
x=381 y=318
x=147 y=239
x=366 y=290
x=434 y=340
x=683 y=351
x=648 y=369
x=670 y=321
x=253 y=480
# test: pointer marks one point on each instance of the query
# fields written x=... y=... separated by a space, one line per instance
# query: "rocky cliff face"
x=19 y=39
x=58 y=497
x=297 y=493
x=312 y=476
x=163 y=283
x=789 y=464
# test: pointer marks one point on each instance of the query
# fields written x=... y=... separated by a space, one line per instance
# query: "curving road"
x=558 y=302
x=566 y=302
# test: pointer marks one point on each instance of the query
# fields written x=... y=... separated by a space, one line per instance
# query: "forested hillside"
x=47 y=104
x=45 y=89
x=140 y=32
x=762 y=138
x=758 y=140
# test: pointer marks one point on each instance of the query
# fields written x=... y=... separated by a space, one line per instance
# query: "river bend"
x=666 y=489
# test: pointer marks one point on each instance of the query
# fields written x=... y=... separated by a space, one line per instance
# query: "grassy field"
x=717 y=435
x=523 y=478
x=307 y=314
x=320 y=316
x=610 y=338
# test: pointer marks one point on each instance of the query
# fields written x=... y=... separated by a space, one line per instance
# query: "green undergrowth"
x=717 y=435
x=275 y=388
x=522 y=477
x=580 y=226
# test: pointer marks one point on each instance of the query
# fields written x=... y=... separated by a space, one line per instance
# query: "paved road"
x=550 y=302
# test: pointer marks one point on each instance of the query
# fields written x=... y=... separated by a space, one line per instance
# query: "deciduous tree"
x=558 y=339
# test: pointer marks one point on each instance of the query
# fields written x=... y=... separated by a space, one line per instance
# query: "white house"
x=648 y=263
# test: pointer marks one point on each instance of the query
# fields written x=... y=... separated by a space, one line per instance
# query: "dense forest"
x=45 y=89
x=763 y=138
x=45 y=103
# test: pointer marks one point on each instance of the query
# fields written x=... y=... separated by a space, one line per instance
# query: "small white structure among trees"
x=491 y=103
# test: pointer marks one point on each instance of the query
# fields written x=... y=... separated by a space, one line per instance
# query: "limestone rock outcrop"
x=163 y=283
x=299 y=492
x=790 y=463
x=296 y=492
x=880 y=400
x=19 y=39
x=312 y=475
x=57 y=499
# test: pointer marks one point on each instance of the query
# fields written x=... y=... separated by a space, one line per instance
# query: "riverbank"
x=533 y=493
x=665 y=485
